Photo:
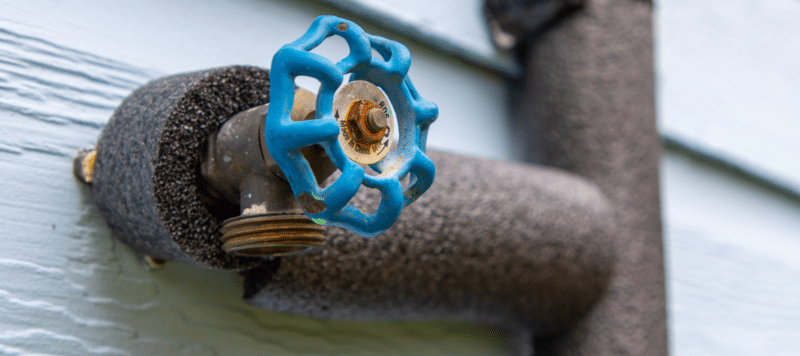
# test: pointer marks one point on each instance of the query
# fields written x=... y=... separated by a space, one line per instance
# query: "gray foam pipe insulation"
x=567 y=254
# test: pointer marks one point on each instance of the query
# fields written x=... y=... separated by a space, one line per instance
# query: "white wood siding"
x=729 y=82
x=732 y=268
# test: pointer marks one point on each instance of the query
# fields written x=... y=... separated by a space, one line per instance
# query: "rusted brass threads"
x=271 y=235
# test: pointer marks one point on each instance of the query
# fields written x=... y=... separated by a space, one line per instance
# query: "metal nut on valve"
x=363 y=120
x=366 y=119
x=376 y=119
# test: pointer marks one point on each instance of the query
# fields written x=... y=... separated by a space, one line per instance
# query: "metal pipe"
x=238 y=167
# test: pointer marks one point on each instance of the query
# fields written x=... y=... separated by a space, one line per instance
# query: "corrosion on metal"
x=83 y=165
x=237 y=167
x=311 y=205
x=376 y=119
x=342 y=26
x=366 y=120
x=360 y=119
x=271 y=235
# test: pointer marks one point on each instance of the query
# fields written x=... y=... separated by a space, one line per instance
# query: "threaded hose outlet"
x=271 y=235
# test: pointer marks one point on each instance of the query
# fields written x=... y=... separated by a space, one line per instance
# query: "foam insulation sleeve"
x=146 y=180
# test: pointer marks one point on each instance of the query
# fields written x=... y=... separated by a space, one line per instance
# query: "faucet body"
x=238 y=167
x=146 y=177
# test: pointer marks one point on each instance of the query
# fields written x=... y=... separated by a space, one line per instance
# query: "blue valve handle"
x=285 y=137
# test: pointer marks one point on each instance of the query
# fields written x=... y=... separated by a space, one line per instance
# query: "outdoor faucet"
x=272 y=158
x=235 y=168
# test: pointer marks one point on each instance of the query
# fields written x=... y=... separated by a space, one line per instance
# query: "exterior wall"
x=731 y=250
x=67 y=287
x=729 y=82
x=453 y=26
x=728 y=87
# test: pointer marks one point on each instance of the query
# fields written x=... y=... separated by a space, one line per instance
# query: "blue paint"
x=285 y=137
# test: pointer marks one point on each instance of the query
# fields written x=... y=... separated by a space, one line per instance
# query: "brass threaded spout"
x=271 y=235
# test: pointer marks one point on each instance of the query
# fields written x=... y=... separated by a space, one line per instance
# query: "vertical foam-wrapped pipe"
x=591 y=103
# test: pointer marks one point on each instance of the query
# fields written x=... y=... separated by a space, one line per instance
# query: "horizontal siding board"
x=731 y=251
x=730 y=301
x=454 y=26
x=729 y=82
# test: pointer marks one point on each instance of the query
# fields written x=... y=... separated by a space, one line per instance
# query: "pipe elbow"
x=490 y=241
